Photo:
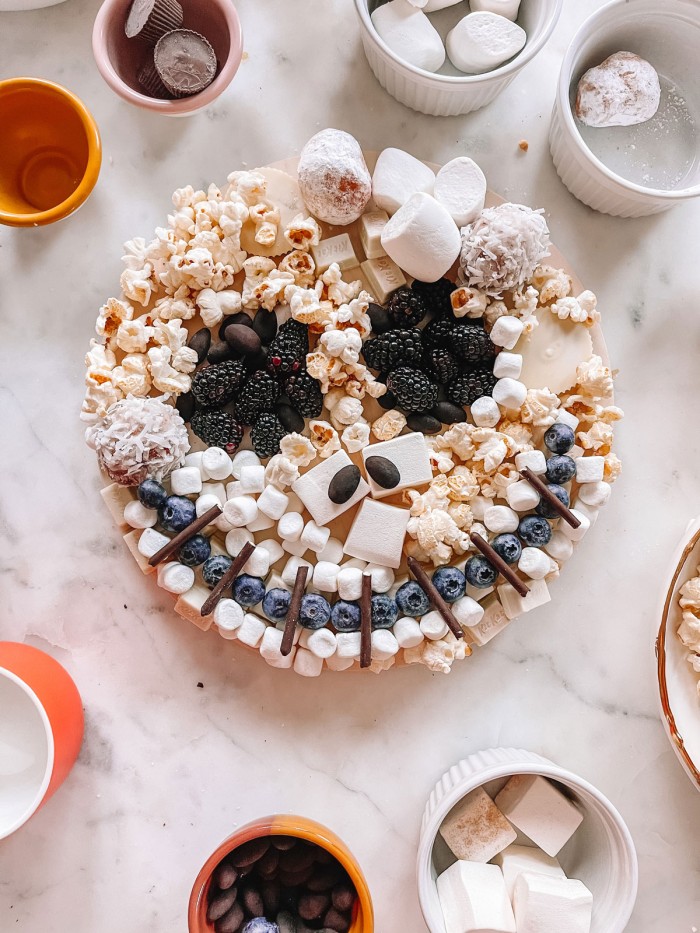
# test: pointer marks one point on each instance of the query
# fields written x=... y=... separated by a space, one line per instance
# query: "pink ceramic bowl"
x=119 y=58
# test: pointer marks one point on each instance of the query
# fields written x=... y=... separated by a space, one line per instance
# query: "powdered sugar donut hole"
x=333 y=177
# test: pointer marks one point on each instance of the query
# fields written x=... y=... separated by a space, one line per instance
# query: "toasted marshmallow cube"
x=482 y=41
x=273 y=502
x=234 y=489
x=382 y=577
x=422 y=238
x=551 y=904
x=322 y=642
x=507 y=331
x=485 y=412
x=258 y=564
x=534 y=563
x=509 y=393
x=251 y=630
x=433 y=626
x=517 y=859
x=348 y=644
x=206 y=502
x=315 y=536
x=326 y=576
x=590 y=469
x=499 y=518
x=559 y=547
x=507 y=8
x=515 y=605
x=289 y=574
x=384 y=644
x=333 y=551
x=475 y=829
x=175 y=577
x=252 y=479
x=508 y=365
x=539 y=809
x=307 y=664
x=349 y=583
x=409 y=34
x=407 y=632
x=575 y=534
x=533 y=460
x=297 y=548
x=240 y=510
x=216 y=463
x=595 y=494
x=521 y=496
x=151 y=541
x=274 y=549
x=228 y=618
x=290 y=526
x=397 y=175
x=241 y=459
x=371 y=225
x=460 y=186
x=467 y=611
x=186 y=481
x=336 y=663
x=138 y=516
x=474 y=899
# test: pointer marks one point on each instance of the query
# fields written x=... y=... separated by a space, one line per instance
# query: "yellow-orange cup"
x=51 y=153
x=299 y=826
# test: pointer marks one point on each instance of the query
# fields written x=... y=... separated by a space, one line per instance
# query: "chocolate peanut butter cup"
x=151 y=19
x=185 y=61
x=149 y=79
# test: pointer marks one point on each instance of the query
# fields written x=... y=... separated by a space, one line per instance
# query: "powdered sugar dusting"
x=333 y=176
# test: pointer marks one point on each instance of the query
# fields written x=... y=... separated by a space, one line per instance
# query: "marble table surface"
x=186 y=737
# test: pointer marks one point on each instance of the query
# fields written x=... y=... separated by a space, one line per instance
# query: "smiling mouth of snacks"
x=265 y=401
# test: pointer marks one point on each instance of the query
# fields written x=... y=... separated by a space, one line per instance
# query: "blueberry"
x=547 y=510
x=508 y=547
x=248 y=591
x=276 y=604
x=559 y=438
x=449 y=582
x=535 y=530
x=176 y=513
x=384 y=612
x=260 y=925
x=315 y=611
x=194 y=551
x=345 y=616
x=480 y=572
x=560 y=469
x=151 y=494
x=411 y=599
x=214 y=568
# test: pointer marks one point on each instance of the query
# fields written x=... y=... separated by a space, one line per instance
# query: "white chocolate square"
x=492 y=622
x=521 y=496
x=474 y=899
x=334 y=249
x=515 y=605
x=377 y=533
x=475 y=829
x=540 y=810
x=551 y=904
x=533 y=460
x=508 y=365
x=116 y=498
x=517 y=859
x=189 y=606
x=371 y=226
x=312 y=489
x=383 y=277
x=409 y=453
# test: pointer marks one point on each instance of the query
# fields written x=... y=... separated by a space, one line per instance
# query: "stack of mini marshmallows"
x=505 y=883
x=481 y=41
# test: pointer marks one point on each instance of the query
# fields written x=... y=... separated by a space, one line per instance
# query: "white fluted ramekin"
x=668 y=31
x=447 y=95
x=601 y=854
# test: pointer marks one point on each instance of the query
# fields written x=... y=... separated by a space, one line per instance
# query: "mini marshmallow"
x=289 y=574
x=215 y=489
x=349 y=583
x=517 y=859
x=535 y=563
x=475 y=829
x=590 y=511
x=233 y=489
x=278 y=660
x=506 y=331
x=261 y=522
x=407 y=632
x=509 y=393
x=382 y=577
x=421 y=237
x=251 y=630
x=315 y=536
x=499 y=518
x=575 y=534
x=322 y=642
x=348 y=644
x=258 y=564
x=252 y=478
x=397 y=175
x=325 y=577
x=295 y=504
x=243 y=458
x=236 y=539
x=559 y=547
x=485 y=412
x=307 y=664
x=194 y=459
x=354 y=562
x=290 y=526
x=298 y=548
x=409 y=34
x=474 y=899
x=515 y=605
x=590 y=469
x=508 y=365
x=507 y=8
x=479 y=505
x=482 y=41
x=595 y=494
x=460 y=186
x=151 y=541
x=186 y=481
x=533 y=460
x=384 y=644
x=216 y=463
x=336 y=663
x=274 y=549
x=493 y=621
x=433 y=626
x=377 y=533
x=271 y=644
x=467 y=611
x=371 y=226
x=206 y=502
x=175 y=577
x=333 y=551
x=240 y=510
x=138 y=516
x=521 y=496
x=565 y=417
x=552 y=904
x=383 y=276
x=273 y=502
x=228 y=618
x=539 y=809
x=432 y=6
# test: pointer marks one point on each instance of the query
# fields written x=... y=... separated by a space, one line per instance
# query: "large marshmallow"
x=397 y=175
x=410 y=455
x=540 y=810
x=460 y=186
x=475 y=829
x=312 y=489
x=482 y=41
x=550 y=904
x=507 y=8
x=422 y=238
x=516 y=859
x=377 y=533
x=474 y=899
x=409 y=34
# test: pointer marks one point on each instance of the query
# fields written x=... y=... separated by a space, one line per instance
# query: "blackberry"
x=217 y=384
x=217 y=429
x=266 y=434
x=436 y=295
x=438 y=331
x=287 y=352
x=406 y=308
x=304 y=392
x=259 y=393
x=413 y=389
x=471 y=343
x=404 y=347
x=470 y=386
x=441 y=365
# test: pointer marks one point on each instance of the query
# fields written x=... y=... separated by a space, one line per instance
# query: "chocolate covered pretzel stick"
x=550 y=498
x=211 y=602
x=435 y=597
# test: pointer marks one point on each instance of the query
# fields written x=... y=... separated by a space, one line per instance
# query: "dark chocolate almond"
x=265 y=325
x=423 y=422
x=242 y=339
x=240 y=317
x=449 y=413
x=344 y=484
x=291 y=420
x=200 y=343
x=383 y=471
x=221 y=903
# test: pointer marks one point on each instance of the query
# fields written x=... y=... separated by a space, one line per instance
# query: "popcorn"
x=389 y=425
x=306 y=305
x=266 y=218
x=169 y=334
x=132 y=377
x=302 y=233
x=324 y=437
x=298 y=450
x=539 y=408
x=355 y=436
x=439 y=655
x=214 y=305
x=612 y=468
x=594 y=379
x=250 y=186
x=459 y=440
x=269 y=292
x=301 y=265
x=438 y=535
x=339 y=291
x=185 y=360
x=344 y=344
x=137 y=284
x=281 y=472
x=599 y=437
x=581 y=310
x=348 y=411
x=468 y=302
x=165 y=377
x=492 y=448
x=354 y=314
x=134 y=335
x=552 y=284
x=256 y=268
x=178 y=307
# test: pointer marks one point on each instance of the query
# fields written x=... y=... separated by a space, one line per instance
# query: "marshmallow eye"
x=383 y=471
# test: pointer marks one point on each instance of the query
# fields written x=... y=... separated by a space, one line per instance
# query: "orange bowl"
x=51 y=154
x=301 y=828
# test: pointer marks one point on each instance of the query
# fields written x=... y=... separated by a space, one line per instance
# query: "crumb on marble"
x=523 y=145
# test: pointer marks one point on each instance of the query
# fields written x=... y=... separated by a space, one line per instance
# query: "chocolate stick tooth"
x=184 y=535
x=211 y=602
x=290 y=622
x=435 y=597
x=501 y=566
x=550 y=498
x=366 y=621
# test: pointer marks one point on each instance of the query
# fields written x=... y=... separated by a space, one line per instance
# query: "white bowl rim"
x=545 y=768
x=50 y=754
x=563 y=95
x=511 y=67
